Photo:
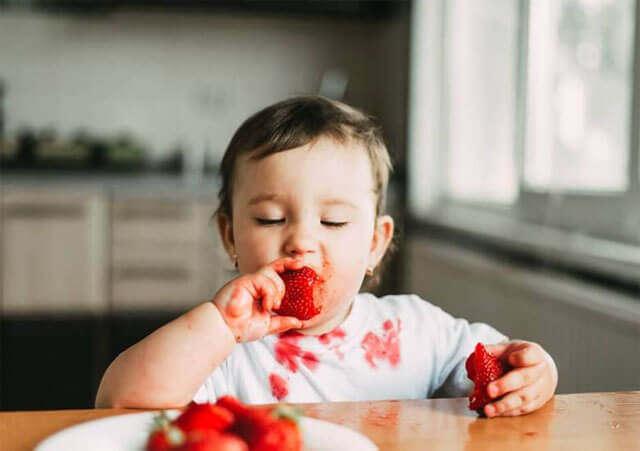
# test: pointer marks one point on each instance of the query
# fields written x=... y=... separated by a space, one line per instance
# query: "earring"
x=369 y=271
x=234 y=258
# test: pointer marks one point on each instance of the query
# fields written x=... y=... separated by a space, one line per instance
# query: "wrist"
x=222 y=324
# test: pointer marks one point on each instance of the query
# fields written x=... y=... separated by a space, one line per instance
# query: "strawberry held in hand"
x=298 y=296
x=482 y=368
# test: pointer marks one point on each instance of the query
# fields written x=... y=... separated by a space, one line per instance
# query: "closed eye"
x=334 y=223
x=267 y=222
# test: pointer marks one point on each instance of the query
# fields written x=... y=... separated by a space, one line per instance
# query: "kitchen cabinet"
x=165 y=254
x=89 y=269
x=53 y=251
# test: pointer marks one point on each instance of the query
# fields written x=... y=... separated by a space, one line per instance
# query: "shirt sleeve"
x=456 y=340
x=215 y=385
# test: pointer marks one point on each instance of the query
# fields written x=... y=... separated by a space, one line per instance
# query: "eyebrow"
x=338 y=201
x=276 y=197
x=263 y=198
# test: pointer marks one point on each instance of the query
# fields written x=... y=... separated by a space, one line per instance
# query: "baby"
x=303 y=185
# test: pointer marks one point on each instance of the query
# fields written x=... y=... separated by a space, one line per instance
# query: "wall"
x=190 y=79
x=593 y=334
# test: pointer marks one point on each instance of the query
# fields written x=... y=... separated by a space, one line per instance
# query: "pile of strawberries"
x=228 y=425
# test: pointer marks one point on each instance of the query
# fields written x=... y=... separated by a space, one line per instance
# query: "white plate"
x=129 y=433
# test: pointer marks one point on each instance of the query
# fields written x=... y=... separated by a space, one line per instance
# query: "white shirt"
x=394 y=347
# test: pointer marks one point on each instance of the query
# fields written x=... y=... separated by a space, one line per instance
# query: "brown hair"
x=296 y=122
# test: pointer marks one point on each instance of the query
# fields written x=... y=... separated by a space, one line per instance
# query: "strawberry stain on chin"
x=320 y=289
x=290 y=355
x=385 y=346
x=279 y=386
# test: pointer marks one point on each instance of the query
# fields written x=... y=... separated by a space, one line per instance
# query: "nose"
x=300 y=241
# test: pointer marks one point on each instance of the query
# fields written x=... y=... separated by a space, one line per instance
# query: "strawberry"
x=298 y=296
x=165 y=436
x=204 y=416
x=247 y=418
x=165 y=439
x=158 y=441
x=282 y=434
x=482 y=368
x=263 y=428
x=212 y=440
x=233 y=405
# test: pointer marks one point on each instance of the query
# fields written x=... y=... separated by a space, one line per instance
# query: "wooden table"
x=590 y=421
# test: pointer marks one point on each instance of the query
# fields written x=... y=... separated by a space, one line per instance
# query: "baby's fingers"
x=522 y=410
x=528 y=355
x=515 y=379
x=269 y=291
x=286 y=263
x=517 y=402
x=281 y=324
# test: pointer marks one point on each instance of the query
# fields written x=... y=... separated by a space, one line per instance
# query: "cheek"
x=345 y=264
x=255 y=248
x=351 y=253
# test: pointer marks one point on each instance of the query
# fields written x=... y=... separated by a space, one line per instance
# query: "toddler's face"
x=315 y=203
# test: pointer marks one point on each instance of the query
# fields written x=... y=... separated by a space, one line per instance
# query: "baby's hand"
x=247 y=302
x=528 y=386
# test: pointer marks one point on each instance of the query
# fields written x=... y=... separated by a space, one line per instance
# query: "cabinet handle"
x=43 y=211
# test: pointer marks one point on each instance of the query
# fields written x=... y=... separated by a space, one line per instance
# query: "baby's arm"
x=166 y=368
x=530 y=383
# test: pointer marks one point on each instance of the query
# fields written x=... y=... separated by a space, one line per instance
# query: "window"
x=523 y=127
x=579 y=89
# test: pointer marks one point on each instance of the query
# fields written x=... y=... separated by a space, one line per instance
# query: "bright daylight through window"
x=523 y=125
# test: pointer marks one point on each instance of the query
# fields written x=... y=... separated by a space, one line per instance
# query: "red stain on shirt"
x=279 y=386
x=289 y=353
x=337 y=333
x=309 y=360
x=383 y=347
x=327 y=339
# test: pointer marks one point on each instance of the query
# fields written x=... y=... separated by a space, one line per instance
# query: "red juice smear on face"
x=320 y=288
x=279 y=386
x=385 y=346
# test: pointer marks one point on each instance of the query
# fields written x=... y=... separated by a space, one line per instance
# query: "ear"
x=225 y=229
x=382 y=236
